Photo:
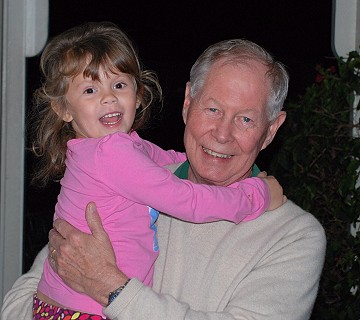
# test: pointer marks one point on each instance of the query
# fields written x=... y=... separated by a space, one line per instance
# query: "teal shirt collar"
x=182 y=171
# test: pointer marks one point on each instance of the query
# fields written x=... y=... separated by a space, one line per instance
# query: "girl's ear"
x=138 y=103
x=62 y=112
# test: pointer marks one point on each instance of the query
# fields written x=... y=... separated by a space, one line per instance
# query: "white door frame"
x=23 y=28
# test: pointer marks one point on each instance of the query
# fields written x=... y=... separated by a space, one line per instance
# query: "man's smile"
x=216 y=154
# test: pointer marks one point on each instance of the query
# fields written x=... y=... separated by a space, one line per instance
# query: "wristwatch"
x=115 y=293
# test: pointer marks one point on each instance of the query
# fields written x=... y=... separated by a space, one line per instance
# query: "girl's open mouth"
x=111 y=118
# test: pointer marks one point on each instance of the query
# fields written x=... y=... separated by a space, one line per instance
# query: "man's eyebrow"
x=212 y=99
x=252 y=110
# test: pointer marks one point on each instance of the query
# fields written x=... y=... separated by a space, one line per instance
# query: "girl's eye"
x=120 y=85
x=89 y=90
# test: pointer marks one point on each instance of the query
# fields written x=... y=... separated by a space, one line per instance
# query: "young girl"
x=94 y=96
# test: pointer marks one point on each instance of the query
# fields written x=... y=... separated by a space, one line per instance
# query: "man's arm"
x=280 y=285
x=86 y=263
x=283 y=285
x=18 y=301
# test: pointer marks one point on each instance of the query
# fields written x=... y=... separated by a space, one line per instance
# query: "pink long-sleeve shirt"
x=124 y=175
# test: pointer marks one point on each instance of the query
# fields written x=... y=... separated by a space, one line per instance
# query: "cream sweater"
x=268 y=268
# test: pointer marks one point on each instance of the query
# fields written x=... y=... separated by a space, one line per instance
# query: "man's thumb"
x=93 y=219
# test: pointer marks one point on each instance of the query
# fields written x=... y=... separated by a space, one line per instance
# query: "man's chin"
x=211 y=177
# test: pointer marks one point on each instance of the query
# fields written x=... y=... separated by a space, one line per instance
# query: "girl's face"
x=99 y=108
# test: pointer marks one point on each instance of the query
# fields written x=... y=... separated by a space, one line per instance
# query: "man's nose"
x=223 y=130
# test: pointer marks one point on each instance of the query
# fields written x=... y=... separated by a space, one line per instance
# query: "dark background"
x=169 y=36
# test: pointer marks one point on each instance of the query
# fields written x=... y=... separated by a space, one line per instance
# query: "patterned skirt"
x=46 y=311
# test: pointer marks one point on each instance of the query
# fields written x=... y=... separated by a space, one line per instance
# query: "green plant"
x=318 y=164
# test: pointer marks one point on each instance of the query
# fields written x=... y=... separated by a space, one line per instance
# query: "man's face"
x=227 y=123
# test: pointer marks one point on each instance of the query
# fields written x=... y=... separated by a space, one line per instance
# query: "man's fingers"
x=55 y=239
x=53 y=263
x=64 y=228
x=262 y=174
x=93 y=219
x=284 y=199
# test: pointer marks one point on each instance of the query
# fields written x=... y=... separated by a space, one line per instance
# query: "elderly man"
x=268 y=268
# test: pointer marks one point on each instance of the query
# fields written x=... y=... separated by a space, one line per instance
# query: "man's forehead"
x=247 y=77
x=240 y=64
x=227 y=88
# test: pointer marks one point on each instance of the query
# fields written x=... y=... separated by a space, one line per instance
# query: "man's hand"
x=277 y=197
x=85 y=262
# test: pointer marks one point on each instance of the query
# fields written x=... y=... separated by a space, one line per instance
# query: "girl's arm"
x=160 y=156
x=130 y=172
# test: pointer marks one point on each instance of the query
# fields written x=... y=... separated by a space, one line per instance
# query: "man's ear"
x=63 y=113
x=273 y=128
x=187 y=100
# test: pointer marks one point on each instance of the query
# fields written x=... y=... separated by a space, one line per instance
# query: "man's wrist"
x=107 y=282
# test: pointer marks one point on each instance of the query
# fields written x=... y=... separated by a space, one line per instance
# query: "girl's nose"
x=109 y=98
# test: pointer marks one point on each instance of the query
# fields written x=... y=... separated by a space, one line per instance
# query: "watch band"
x=115 y=293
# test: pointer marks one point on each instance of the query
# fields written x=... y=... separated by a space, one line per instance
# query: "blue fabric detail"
x=154 y=214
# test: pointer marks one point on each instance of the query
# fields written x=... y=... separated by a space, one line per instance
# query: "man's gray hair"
x=242 y=51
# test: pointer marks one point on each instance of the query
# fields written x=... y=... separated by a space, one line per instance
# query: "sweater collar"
x=183 y=169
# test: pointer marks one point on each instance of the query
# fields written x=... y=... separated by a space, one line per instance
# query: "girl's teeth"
x=111 y=118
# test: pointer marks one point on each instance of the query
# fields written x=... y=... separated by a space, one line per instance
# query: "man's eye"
x=244 y=122
x=213 y=109
x=89 y=90
x=119 y=85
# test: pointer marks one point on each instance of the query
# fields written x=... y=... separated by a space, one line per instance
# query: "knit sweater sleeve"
x=126 y=167
x=281 y=285
x=18 y=301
